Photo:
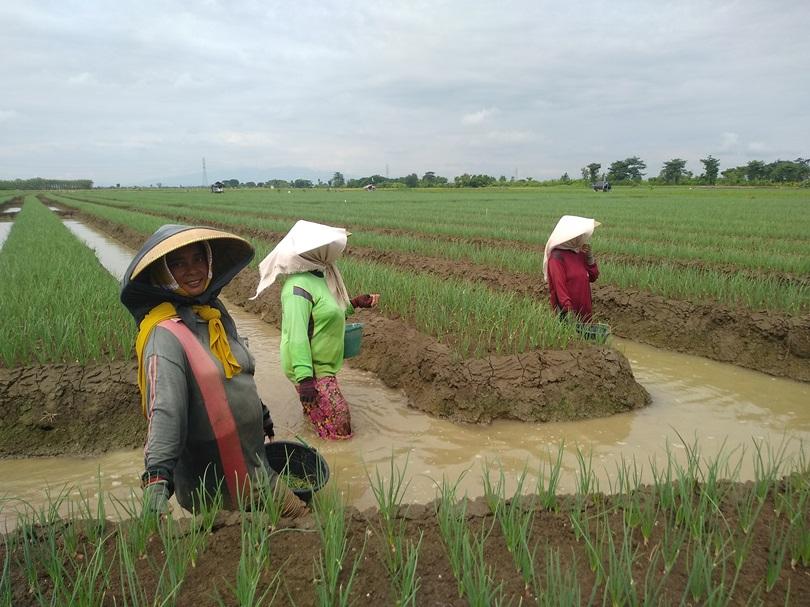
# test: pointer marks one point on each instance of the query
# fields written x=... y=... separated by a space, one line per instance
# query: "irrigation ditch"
x=685 y=537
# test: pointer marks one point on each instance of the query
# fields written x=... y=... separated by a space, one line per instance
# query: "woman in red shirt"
x=569 y=267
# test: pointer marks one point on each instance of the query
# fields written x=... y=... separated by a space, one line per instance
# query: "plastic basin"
x=304 y=469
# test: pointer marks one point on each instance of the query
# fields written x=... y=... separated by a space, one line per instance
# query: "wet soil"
x=17 y=201
x=771 y=342
x=63 y=408
x=295 y=546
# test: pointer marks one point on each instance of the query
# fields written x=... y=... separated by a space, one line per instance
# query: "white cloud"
x=510 y=136
x=82 y=78
x=246 y=139
x=479 y=116
x=456 y=86
x=729 y=142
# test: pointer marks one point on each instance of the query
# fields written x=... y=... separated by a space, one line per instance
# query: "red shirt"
x=569 y=282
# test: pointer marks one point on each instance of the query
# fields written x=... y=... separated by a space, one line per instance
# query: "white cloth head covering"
x=307 y=246
x=568 y=228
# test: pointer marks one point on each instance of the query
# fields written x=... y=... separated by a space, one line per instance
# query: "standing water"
x=724 y=407
x=5 y=228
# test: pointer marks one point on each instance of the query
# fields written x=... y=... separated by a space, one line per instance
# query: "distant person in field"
x=207 y=424
x=314 y=307
x=569 y=267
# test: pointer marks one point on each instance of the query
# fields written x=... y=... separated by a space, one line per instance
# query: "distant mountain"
x=243 y=174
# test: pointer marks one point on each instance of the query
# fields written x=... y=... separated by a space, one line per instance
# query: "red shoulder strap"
x=209 y=380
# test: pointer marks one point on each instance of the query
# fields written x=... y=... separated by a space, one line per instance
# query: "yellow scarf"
x=217 y=336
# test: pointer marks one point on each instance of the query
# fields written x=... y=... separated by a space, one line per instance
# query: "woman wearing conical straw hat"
x=314 y=306
x=569 y=267
x=207 y=424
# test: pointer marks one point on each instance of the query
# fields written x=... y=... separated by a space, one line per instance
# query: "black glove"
x=362 y=301
x=307 y=391
x=267 y=422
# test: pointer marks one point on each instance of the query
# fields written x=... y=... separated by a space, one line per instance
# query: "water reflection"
x=5 y=228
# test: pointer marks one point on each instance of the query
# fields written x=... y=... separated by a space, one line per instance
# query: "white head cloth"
x=568 y=228
x=307 y=246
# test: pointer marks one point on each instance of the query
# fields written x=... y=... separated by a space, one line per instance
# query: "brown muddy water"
x=725 y=408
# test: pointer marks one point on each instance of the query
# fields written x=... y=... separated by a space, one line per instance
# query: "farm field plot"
x=712 y=272
x=64 y=343
x=687 y=537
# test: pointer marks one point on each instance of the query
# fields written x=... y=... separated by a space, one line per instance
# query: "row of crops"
x=687 y=538
x=57 y=302
x=473 y=319
x=715 y=246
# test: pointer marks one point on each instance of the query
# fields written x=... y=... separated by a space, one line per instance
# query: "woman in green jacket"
x=314 y=306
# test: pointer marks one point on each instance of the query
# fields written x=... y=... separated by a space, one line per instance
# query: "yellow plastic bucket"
x=352 y=339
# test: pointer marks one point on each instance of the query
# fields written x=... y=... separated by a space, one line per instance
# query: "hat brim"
x=222 y=242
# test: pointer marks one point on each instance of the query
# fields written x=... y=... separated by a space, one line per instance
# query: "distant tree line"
x=674 y=172
x=38 y=183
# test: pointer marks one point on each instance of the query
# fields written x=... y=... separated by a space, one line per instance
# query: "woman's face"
x=189 y=266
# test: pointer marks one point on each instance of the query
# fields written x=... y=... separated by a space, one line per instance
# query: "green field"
x=57 y=302
x=739 y=247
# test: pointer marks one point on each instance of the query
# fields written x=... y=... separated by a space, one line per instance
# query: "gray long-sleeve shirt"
x=180 y=440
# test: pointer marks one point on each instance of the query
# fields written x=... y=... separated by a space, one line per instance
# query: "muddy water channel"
x=724 y=407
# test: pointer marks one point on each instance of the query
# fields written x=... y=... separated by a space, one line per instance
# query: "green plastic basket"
x=352 y=339
x=594 y=331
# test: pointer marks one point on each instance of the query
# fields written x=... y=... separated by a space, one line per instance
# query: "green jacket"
x=312 y=327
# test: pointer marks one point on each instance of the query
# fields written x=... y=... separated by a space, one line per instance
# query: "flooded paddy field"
x=729 y=413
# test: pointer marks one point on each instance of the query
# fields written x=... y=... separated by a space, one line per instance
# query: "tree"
x=412 y=180
x=473 y=181
x=429 y=179
x=674 y=171
x=302 y=183
x=625 y=170
x=755 y=171
x=711 y=166
x=565 y=178
x=590 y=173
x=783 y=171
x=337 y=181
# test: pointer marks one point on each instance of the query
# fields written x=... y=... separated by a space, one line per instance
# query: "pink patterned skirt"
x=330 y=413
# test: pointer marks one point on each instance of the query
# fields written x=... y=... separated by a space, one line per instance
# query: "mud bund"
x=57 y=409
x=542 y=385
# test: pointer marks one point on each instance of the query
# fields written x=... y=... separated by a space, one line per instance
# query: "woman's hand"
x=367 y=300
x=586 y=248
x=307 y=391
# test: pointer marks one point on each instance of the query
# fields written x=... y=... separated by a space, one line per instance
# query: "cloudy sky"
x=131 y=92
